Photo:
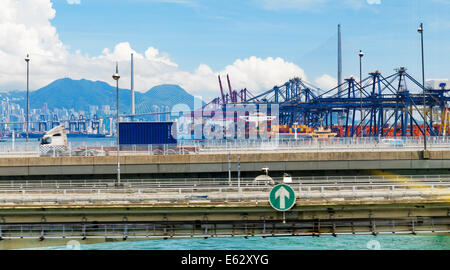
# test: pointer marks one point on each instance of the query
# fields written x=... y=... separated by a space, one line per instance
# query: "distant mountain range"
x=80 y=94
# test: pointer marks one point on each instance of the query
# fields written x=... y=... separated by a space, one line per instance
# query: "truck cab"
x=54 y=142
x=56 y=136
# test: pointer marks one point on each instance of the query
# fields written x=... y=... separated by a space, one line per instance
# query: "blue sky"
x=217 y=33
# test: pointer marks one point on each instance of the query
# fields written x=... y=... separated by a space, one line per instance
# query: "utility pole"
x=132 y=88
x=229 y=168
x=27 y=59
x=339 y=59
x=361 y=54
x=116 y=77
x=420 y=30
x=340 y=114
x=239 y=174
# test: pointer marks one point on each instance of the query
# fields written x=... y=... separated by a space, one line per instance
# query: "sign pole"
x=229 y=168
x=239 y=175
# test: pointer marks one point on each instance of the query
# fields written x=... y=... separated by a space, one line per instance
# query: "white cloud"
x=121 y=52
x=153 y=54
x=25 y=28
x=73 y=2
x=326 y=82
x=257 y=73
x=29 y=30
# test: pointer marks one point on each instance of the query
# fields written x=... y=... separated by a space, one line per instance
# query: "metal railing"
x=222 y=193
x=187 y=147
x=324 y=145
x=164 y=230
x=413 y=180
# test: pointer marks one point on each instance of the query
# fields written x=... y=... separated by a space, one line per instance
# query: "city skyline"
x=42 y=119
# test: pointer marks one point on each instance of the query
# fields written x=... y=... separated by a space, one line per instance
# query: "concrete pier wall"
x=218 y=163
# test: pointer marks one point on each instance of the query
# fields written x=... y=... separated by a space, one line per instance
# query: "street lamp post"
x=361 y=54
x=420 y=30
x=27 y=59
x=116 y=77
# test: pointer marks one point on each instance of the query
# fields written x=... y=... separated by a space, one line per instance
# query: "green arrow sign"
x=282 y=197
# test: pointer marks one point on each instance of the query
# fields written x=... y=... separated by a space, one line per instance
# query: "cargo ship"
x=322 y=132
x=304 y=132
x=84 y=135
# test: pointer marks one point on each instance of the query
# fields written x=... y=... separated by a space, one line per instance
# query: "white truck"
x=54 y=143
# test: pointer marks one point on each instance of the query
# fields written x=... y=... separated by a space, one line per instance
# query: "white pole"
x=229 y=168
x=116 y=77
x=239 y=174
x=132 y=87
x=13 y=139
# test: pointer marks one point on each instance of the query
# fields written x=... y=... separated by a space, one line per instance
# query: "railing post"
x=239 y=175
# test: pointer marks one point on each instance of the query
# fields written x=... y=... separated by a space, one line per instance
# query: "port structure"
x=391 y=105
x=47 y=212
x=233 y=96
x=52 y=213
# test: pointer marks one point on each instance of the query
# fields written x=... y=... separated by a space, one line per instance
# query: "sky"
x=259 y=43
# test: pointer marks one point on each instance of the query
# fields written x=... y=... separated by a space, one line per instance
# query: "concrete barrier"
x=218 y=163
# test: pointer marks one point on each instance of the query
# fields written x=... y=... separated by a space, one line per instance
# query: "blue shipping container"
x=147 y=133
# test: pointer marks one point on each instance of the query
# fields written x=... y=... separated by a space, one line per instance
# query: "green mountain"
x=165 y=95
x=80 y=94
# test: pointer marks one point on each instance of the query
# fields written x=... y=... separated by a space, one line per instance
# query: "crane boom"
x=221 y=91
x=229 y=87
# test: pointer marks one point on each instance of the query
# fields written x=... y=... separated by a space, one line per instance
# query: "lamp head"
x=27 y=59
x=361 y=54
x=420 y=29
x=116 y=75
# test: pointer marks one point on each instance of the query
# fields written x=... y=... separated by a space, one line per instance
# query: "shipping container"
x=147 y=133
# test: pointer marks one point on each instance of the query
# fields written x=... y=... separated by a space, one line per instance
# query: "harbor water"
x=341 y=242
